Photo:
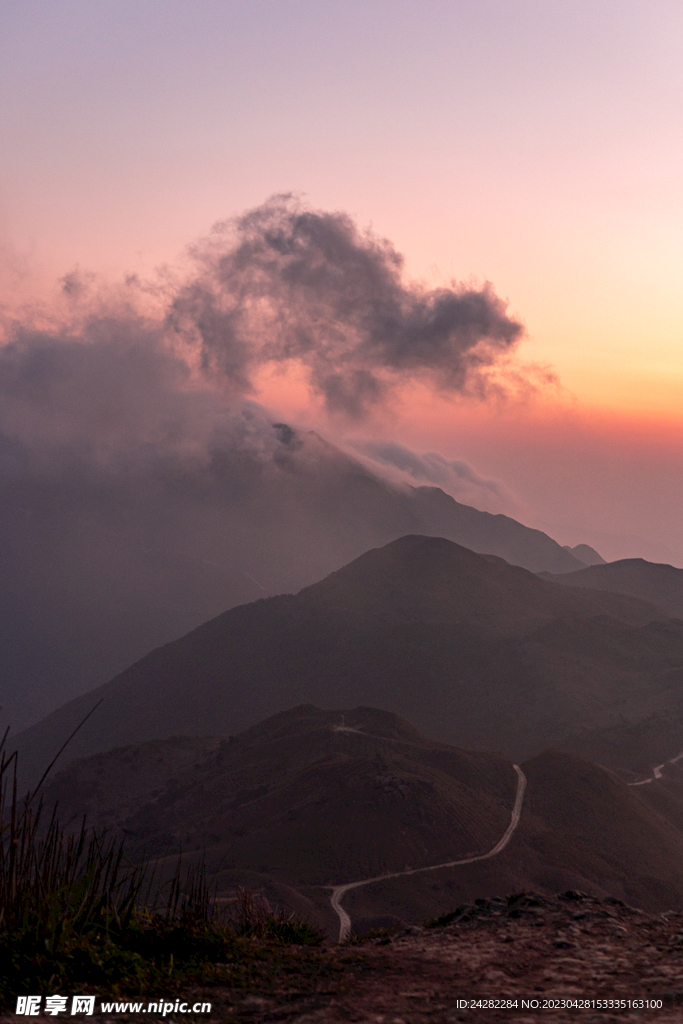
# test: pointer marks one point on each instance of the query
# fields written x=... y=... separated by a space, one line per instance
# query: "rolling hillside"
x=313 y=798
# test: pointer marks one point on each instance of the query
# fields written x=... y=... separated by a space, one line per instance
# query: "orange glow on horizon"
x=431 y=418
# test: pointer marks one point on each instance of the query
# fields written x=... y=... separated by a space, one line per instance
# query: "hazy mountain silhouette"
x=440 y=515
x=650 y=581
x=585 y=553
x=312 y=798
x=102 y=563
x=475 y=651
x=633 y=742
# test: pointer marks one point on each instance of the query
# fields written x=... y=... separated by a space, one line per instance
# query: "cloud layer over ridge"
x=143 y=490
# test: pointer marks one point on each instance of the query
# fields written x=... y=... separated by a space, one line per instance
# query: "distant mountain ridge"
x=475 y=651
x=648 y=581
x=585 y=553
x=95 y=578
x=441 y=515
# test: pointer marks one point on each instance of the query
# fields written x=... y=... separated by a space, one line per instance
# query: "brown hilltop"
x=475 y=651
x=313 y=798
x=308 y=796
x=430 y=578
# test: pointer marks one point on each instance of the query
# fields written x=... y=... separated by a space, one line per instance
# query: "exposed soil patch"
x=525 y=948
x=522 y=947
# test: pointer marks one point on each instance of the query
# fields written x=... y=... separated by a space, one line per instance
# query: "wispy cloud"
x=455 y=476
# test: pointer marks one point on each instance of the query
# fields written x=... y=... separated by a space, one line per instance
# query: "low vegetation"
x=76 y=915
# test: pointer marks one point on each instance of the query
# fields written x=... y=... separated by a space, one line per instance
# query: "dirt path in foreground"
x=522 y=949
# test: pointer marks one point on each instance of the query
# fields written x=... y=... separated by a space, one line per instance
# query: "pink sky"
x=533 y=144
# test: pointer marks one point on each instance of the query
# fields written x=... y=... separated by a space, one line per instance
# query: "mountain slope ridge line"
x=438 y=619
x=339 y=891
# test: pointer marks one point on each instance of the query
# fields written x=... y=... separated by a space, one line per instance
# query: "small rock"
x=572 y=894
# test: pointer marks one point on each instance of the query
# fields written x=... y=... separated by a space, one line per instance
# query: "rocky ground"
x=523 y=958
x=487 y=957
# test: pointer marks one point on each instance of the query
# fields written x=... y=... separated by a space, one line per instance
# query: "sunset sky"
x=535 y=144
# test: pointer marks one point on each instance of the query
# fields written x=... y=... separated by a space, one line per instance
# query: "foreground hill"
x=475 y=651
x=315 y=798
x=311 y=796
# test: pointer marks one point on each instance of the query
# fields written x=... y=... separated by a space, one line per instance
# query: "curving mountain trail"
x=657 y=771
x=339 y=891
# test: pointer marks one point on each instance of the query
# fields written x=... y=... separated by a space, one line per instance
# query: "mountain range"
x=545 y=747
x=474 y=651
x=101 y=564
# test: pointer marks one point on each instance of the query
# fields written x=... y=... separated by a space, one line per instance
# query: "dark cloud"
x=285 y=283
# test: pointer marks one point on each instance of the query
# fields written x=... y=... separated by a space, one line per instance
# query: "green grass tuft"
x=75 y=915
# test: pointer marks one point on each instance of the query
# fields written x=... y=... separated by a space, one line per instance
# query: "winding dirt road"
x=657 y=771
x=339 y=891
